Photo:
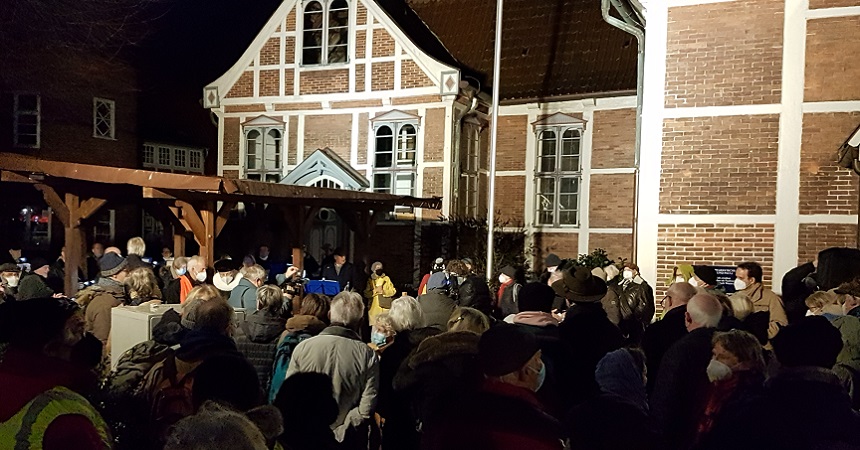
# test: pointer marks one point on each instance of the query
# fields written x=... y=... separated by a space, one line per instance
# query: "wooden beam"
x=223 y=216
x=89 y=207
x=55 y=202
x=73 y=237
x=207 y=248
x=192 y=221
x=178 y=244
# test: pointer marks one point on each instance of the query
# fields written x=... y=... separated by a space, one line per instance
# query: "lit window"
x=27 y=120
x=470 y=167
x=558 y=176
x=394 y=162
x=326 y=32
x=172 y=158
x=104 y=116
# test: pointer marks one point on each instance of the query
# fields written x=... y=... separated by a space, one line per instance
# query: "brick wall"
x=416 y=99
x=289 y=81
x=831 y=71
x=613 y=141
x=360 y=14
x=396 y=255
x=611 y=202
x=360 y=44
x=291 y=20
x=382 y=44
x=382 y=76
x=509 y=199
x=270 y=54
x=247 y=107
x=359 y=78
x=231 y=174
x=292 y=145
x=719 y=165
x=616 y=245
x=565 y=245
x=244 y=87
x=826 y=188
x=289 y=50
x=716 y=57
x=363 y=129
x=330 y=131
x=511 y=148
x=819 y=236
x=432 y=188
x=832 y=3
x=434 y=134
x=324 y=82
x=713 y=244
x=232 y=133
x=411 y=76
x=269 y=83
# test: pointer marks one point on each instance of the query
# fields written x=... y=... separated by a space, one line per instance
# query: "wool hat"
x=580 y=286
x=437 y=281
x=227 y=265
x=111 y=264
x=536 y=297
x=509 y=271
x=552 y=260
x=706 y=274
x=468 y=261
x=34 y=323
x=504 y=349
x=9 y=267
x=33 y=286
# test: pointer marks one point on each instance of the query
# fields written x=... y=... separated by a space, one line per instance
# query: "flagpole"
x=494 y=135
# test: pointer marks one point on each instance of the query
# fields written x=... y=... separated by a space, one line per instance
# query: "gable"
x=324 y=164
x=380 y=59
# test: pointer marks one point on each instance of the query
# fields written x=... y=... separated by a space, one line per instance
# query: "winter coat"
x=375 y=300
x=659 y=337
x=587 y=335
x=500 y=417
x=801 y=408
x=725 y=395
x=680 y=392
x=474 y=292
x=258 y=341
x=636 y=307
x=110 y=294
x=440 y=372
x=244 y=295
x=554 y=356
x=346 y=275
x=766 y=300
x=610 y=305
x=795 y=291
x=354 y=368
x=437 y=308
x=509 y=297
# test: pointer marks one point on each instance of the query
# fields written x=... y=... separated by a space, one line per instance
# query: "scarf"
x=185 y=286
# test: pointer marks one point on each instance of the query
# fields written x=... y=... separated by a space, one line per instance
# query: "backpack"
x=133 y=366
x=283 y=354
x=172 y=399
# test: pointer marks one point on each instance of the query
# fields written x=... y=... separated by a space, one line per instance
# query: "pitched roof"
x=550 y=48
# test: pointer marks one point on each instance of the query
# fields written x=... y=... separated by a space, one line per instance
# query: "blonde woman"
x=379 y=291
x=142 y=287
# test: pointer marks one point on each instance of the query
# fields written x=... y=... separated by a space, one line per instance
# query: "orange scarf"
x=185 y=287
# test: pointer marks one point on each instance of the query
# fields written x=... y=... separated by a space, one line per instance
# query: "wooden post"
x=73 y=245
x=207 y=247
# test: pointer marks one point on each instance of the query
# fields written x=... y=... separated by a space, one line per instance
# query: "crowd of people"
x=577 y=357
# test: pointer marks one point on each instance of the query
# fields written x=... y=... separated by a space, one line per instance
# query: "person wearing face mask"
x=635 y=303
x=504 y=414
x=681 y=273
x=108 y=293
x=244 y=295
x=851 y=292
x=379 y=291
x=662 y=334
x=509 y=291
x=41 y=405
x=193 y=274
x=10 y=276
x=593 y=425
x=226 y=276
x=551 y=263
x=469 y=289
x=748 y=279
x=736 y=373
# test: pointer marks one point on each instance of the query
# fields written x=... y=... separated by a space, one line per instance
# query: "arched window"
x=273 y=149
x=558 y=175
x=384 y=147
x=325 y=32
x=254 y=150
x=406 y=144
x=264 y=154
x=394 y=168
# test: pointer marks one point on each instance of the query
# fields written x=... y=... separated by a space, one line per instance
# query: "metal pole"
x=494 y=136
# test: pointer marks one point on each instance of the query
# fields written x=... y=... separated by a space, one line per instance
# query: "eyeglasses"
x=667 y=296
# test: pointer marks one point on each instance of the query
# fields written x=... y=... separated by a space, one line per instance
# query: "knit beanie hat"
x=504 y=349
x=33 y=286
x=552 y=260
x=111 y=264
x=509 y=271
x=437 y=281
x=706 y=274
x=536 y=297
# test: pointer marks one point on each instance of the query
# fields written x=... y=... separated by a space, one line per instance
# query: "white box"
x=131 y=326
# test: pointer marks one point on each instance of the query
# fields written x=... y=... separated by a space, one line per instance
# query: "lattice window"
x=27 y=118
x=104 y=118
x=325 y=34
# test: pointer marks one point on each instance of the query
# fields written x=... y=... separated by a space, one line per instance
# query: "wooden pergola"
x=197 y=204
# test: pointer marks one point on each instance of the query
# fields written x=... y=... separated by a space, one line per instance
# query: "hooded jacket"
x=303 y=323
x=110 y=294
x=258 y=341
x=437 y=308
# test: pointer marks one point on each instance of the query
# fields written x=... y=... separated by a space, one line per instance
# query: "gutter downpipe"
x=494 y=135
x=631 y=24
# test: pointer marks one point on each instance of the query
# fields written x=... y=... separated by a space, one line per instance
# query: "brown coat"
x=766 y=300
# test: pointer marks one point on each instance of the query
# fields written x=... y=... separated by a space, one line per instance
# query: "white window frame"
x=399 y=167
x=111 y=135
x=470 y=168
x=17 y=113
x=263 y=173
x=326 y=34
x=152 y=151
x=557 y=174
x=325 y=181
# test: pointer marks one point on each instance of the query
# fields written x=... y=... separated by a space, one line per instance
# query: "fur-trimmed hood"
x=443 y=345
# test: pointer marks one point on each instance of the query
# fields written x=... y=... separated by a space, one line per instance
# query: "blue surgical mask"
x=378 y=338
x=181 y=271
x=541 y=376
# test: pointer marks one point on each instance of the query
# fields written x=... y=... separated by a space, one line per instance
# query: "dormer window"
x=325 y=37
x=558 y=173
x=395 y=150
x=264 y=149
